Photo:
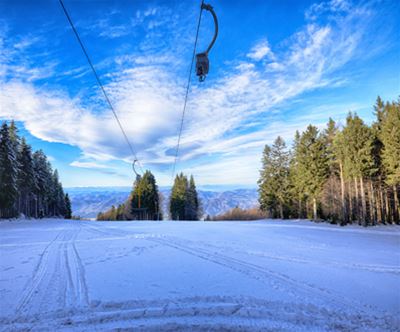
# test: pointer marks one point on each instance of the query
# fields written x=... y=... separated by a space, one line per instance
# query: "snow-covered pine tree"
x=14 y=137
x=42 y=178
x=57 y=196
x=26 y=180
x=8 y=175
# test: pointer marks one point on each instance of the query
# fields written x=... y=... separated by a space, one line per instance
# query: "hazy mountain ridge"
x=88 y=201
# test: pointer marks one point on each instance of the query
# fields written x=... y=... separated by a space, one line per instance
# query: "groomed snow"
x=60 y=275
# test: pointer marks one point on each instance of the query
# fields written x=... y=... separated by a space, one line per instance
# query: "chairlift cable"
x=187 y=92
x=100 y=83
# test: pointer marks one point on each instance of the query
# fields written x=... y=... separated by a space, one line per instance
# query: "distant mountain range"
x=87 y=202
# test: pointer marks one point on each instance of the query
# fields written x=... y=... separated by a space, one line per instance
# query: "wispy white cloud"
x=260 y=51
x=153 y=17
x=328 y=7
x=87 y=164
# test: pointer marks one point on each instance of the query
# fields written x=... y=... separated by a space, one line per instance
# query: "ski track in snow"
x=271 y=278
x=58 y=280
x=57 y=295
x=395 y=269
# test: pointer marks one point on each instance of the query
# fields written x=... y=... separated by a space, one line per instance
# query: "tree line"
x=144 y=202
x=343 y=174
x=28 y=184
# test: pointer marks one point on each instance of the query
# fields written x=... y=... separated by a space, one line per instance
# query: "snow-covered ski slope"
x=58 y=275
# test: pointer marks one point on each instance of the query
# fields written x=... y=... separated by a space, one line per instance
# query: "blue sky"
x=276 y=67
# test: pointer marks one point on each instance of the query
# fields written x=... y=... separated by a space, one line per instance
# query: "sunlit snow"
x=195 y=276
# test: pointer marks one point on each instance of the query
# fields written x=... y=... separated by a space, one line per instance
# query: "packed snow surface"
x=60 y=275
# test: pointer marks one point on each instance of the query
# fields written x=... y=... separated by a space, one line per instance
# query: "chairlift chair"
x=202 y=62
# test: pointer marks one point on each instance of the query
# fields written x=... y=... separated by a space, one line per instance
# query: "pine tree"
x=281 y=158
x=192 y=206
x=379 y=109
x=266 y=196
x=57 y=200
x=150 y=196
x=136 y=199
x=68 y=209
x=178 y=198
x=43 y=173
x=313 y=161
x=296 y=179
x=26 y=180
x=332 y=201
x=14 y=137
x=8 y=175
x=274 y=180
x=359 y=144
x=145 y=202
x=339 y=148
x=390 y=137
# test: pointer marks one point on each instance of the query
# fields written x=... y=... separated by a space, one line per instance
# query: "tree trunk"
x=36 y=207
x=382 y=203
x=307 y=209
x=357 y=202
x=351 y=213
x=363 y=202
x=315 y=209
x=281 y=210
x=372 y=204
x=396 y=213
x=388 y=219
x=27 y=206
x=299 y=214
x=378 y=206
x=343 y=198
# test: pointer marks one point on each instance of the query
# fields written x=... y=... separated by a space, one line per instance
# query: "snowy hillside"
x=87 y=202
x=61 y=275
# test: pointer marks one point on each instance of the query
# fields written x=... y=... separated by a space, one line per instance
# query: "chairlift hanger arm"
x=209 y=8
x=134 y=169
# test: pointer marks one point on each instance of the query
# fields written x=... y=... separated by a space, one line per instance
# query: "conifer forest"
x=345 y=174
x=28 y=184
